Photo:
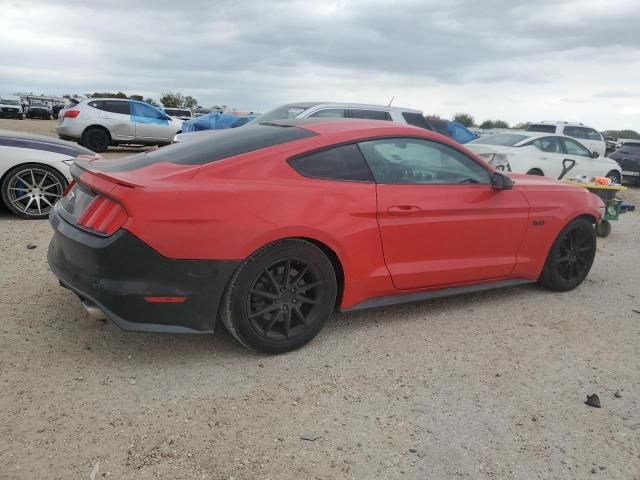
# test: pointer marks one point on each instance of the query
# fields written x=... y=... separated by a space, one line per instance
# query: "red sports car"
x=273 y=226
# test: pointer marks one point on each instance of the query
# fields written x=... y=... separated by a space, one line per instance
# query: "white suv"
x=98 y=123
x=334 y=110
x=589 y=137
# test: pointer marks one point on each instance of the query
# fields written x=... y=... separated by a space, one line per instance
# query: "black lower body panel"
x=116 y=273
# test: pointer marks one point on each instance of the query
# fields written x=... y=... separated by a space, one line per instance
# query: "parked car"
x=98 y=123
x=10 y=107
x=179 y=113
x=589 y=137
x=406 y=116
x=39 y=110
x=34 y=171
x=275 y=225
x=452 y=129
x=542 y=154
x=628 y=157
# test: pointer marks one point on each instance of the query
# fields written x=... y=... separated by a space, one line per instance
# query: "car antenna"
x=391 y=101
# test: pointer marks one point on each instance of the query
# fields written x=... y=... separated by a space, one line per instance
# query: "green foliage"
x=465 y=119
x=488 y=124
x=108 y=95
x=522 y=126
x=172 y=100
x=632 y=134
x=151 y=101
x=189 y=102
x=136 y=97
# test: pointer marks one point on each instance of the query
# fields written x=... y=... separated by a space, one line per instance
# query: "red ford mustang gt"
x=273 y=226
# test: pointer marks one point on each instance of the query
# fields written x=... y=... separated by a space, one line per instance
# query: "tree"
x=464 y=118
x=522 y=126
x=172 y=100
x=189 y=102
x=487 y=124
x=631 y=134
x=151 y=101
x=136 y=97
x=108 y=95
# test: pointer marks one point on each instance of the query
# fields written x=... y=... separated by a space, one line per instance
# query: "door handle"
x=403 y=210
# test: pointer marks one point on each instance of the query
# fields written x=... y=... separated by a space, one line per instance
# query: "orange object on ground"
x=601 y=180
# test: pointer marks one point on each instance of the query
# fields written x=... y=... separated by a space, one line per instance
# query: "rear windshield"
x=177 y=113
x=504 y=139
x=542 y=128
x=211 y=148
x=417 y=120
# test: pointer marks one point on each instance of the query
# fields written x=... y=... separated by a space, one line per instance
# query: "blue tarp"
x=215 y=121
x=459 y=132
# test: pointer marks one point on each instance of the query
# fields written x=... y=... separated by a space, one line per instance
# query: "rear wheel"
x=535 y=171
x=30 y=190
x=96 y=139
x=603 y=229
x=280 y=298
x=571 y=256
x=614 y=176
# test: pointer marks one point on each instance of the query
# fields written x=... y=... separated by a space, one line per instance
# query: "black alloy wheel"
x=281 y=297
x=614 y=176
x=570 y=257
x=96 y=139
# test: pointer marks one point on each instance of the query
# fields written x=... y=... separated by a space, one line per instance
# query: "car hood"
x=10 y=138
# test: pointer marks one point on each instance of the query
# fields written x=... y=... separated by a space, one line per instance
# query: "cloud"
x=503 y=58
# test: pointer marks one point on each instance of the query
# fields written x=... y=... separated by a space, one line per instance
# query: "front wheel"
x=281 y=297
x=614 y=176
x=571 y=256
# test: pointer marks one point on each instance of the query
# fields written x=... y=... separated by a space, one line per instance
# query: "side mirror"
x=595 y=154
x=499 y=181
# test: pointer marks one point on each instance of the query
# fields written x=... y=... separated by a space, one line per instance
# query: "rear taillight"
x=71 y=113
x=103 y=215
x=68 y=188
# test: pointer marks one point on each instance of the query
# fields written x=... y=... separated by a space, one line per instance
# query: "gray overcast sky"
x=516 y=60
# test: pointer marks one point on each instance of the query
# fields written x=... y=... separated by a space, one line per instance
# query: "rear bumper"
x=113 y=275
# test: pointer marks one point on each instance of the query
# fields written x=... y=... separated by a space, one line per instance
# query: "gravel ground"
x=488 y=385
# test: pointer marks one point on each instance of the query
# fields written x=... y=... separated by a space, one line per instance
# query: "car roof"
x=555 y=122
x=307 y=105
x=326 y=125
x=525 y=133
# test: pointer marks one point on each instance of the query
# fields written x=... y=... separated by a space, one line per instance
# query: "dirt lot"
x=487 y=385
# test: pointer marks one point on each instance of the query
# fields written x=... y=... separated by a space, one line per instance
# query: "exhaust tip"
x=94 y=312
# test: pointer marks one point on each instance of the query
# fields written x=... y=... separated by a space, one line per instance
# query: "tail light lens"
x=71 y=113
x=103 y=215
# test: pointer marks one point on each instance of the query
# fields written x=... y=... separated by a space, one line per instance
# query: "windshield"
x=37 y=104
x=504 y=139
x=9 y=102
x=281 y=113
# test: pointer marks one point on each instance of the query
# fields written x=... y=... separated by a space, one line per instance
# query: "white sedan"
x=537 y=153
x=34 y=171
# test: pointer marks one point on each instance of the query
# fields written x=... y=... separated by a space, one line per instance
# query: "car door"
x=150 y=123
x=585 y=163
x=115 y=117
x=440 y=221
x=548 y=157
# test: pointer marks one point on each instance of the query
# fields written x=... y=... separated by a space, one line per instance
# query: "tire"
x=96 y=139
x=614 y=176
x=31 y=189
x=603 y=229
x=280 y=297
x=570 y=257
x=535 y=171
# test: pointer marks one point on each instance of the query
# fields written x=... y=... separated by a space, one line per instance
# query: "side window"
x=548 y=144
x=574 y=148
x=417 y=120
x=369 y=114
x=415 y=161
x=140 y=109
x=329 y=113
x=96 y=104
x=593 y=135
x=338 y=163
x=114 y=106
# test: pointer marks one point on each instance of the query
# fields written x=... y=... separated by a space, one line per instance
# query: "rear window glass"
x=504 y=139
x=211 y=148
x=338 y=163
x=417 y=120
x=369 y=114
x=542 y=128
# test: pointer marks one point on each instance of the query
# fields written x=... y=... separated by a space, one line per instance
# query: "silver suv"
x=335 y=110
x=98 y=123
